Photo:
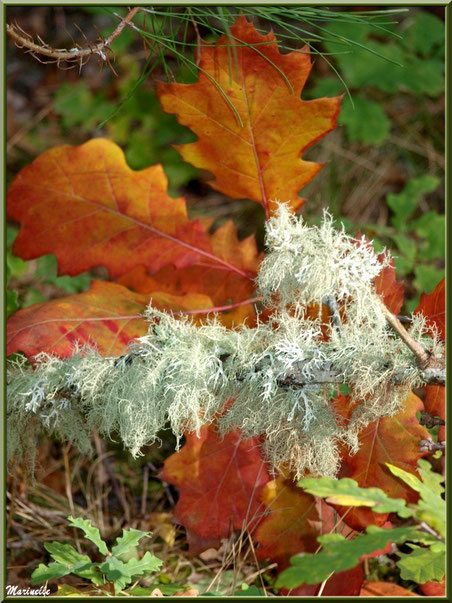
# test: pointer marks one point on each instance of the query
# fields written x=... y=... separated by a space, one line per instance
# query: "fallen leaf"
x=433 y=589
x=433 y=306
x=251 y=124
x=291 y=523
x=156 y=593
x=343 y=584
x=385 y=589
x=191 y=592
x=220 y=481
x=86 y=206
x=161 y=524
x=435 y=404
x=224 y=287
x=392 y=440
x=391 y=290
x=107 y=316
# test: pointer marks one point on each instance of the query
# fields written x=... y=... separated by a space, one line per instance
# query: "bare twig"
x=74 y=55
x=423 y=357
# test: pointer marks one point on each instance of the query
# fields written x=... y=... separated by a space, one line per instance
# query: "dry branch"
x=73 y=55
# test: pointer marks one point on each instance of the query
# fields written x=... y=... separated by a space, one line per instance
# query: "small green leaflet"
x=365 y=121
x=75 y=563
x=91 y=532
x=346 y=492
x=422 y=565
x=128 y=541
x=431 y=508
x=146 y=565
x=116 y=571
x=44 y=573
x=405 y=203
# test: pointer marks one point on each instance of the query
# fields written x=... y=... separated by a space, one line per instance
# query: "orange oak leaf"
x=392 y=440
x=293 y=520
x=108 y=317
x=391 y=290
x=253 y=148
x=85 y=205
x=224 y=287
x=433 y=589
x=220 y=481
x=385 y=589
x=435 y=404
x=433 y=306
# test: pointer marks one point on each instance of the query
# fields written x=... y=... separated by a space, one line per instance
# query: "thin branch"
x=429 y=376
x=24 y=40
x=423 y=357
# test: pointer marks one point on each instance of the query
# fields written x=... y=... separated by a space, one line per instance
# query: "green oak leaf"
x=339 y=554
x=65 y=553
x=346 y=492
x=128 y=541
x=422 y=565
x=146 y=565
x=78 y=564
x=116 y=571
x=91 y=533
x=44 y=573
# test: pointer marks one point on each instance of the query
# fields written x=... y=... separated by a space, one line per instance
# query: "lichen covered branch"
x=276 y=381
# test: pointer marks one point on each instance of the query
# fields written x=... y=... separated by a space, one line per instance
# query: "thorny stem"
x=24 y=40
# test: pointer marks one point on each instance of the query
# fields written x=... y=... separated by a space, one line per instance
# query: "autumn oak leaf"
x=394 y=439
x=251 y=124
x=292 y=521
x=86 y=206
x=107 y=317
x=433 y=306
x=220 y=481
x=224 y=287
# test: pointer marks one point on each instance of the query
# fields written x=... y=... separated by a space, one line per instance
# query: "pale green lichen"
x=184 y=376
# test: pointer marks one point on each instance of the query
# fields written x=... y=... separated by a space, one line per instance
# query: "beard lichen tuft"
x=268 y=381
